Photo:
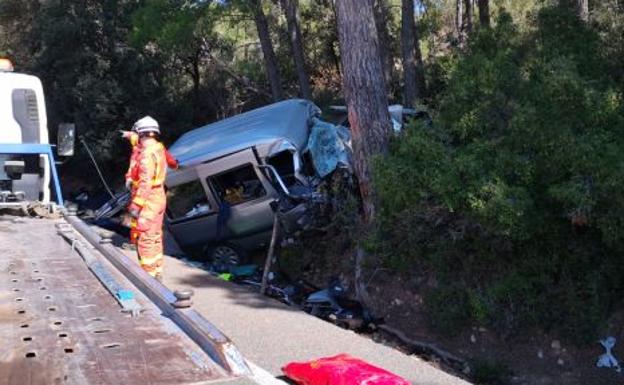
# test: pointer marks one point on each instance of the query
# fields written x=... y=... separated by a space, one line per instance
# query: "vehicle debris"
x=329 y=147
x=232 y=171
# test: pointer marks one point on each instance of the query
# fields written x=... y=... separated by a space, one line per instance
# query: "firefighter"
x=147 y=206
x=132 y=175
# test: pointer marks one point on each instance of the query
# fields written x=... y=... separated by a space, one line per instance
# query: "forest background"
x=507 y=212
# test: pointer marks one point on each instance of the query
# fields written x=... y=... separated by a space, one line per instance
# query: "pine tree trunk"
x=467 y=22
x=583 y=9
x=410 y=89
x=458 y=18
x=420 y=67
x=380 y=9
x=364 y=90
x=270 y=62
x=196 y=76
x=294 y=32
x=484 y=12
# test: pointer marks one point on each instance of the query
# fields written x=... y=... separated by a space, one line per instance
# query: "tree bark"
x=270 y=61
x=420 y=67
x=196 y=75
x=458 y=18
x=467 y=22
x=413 y=71
x=364 y=90
x=484 y=12
x=294 y=32
x=382 y=17
x=583 y=9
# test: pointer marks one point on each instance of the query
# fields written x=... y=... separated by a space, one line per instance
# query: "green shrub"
x=514 y=199
x=448 y=308
x=490 y=373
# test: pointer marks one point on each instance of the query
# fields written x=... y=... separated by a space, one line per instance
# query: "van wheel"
x=226 y=254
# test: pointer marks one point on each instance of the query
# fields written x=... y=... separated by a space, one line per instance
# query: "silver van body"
x=219 y=199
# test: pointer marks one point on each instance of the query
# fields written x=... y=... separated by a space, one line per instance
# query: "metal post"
x=270 y=255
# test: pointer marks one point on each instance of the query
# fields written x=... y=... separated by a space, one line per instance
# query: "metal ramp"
x=59 y=324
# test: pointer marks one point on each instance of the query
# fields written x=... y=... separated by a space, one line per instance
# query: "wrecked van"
x=220 y=199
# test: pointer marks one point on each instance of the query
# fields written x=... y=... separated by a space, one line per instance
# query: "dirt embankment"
x=531 y=357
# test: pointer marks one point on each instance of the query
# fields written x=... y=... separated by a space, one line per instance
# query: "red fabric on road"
x=340 y=370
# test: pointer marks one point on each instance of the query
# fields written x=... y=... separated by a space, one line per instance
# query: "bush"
x=517 y=191
x=490 y=373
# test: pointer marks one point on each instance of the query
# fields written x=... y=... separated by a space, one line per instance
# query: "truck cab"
x=26 y=161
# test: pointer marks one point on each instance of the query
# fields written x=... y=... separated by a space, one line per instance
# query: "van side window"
x=187 y=200
x=238 y=185
x=26 y=113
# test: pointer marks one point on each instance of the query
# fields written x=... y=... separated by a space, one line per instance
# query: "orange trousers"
x=149 y=233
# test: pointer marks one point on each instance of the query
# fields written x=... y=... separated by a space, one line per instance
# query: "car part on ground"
x=330 y=304
x=114 y=206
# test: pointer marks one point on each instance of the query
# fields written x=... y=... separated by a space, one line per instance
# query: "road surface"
x=271 y=334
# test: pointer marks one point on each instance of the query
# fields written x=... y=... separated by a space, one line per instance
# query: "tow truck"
x=73 y=308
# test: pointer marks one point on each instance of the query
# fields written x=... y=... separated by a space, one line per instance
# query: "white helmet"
x=146 y=124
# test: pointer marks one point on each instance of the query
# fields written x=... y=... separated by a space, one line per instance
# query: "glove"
x=129 y=184
x=134 y=210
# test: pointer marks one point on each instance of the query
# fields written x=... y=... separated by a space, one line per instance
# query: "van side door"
x=241 y=189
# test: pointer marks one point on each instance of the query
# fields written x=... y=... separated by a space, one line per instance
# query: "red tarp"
x=340 y=370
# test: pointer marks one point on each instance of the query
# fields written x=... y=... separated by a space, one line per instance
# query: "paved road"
x=272 y=334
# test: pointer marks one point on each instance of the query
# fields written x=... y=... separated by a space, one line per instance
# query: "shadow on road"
x=238 y=294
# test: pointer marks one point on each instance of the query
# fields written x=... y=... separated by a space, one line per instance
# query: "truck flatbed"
x=60 y=325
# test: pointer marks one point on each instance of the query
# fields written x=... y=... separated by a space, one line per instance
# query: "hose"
x=97 y=168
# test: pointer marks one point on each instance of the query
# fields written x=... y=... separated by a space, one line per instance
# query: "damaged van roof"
x=289 y=119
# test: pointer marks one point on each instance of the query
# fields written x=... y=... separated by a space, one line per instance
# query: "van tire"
x=226 y=254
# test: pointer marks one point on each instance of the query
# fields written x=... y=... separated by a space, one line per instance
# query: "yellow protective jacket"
x=151 y=167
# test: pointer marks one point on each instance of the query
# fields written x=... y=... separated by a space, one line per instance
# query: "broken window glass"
x=238 y=185
x=187 y=200
x=285 y=166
